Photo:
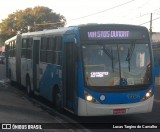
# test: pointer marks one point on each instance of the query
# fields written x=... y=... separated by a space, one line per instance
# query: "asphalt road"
x=17 y=110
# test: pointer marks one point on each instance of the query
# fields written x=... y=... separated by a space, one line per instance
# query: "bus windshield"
x=116 y=64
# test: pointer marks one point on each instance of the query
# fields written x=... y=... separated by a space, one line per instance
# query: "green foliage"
x=37 y=18
x=1 y=43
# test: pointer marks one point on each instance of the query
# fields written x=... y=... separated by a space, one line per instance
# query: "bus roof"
x=11 y=39
x=83 y=26
x=51 y=31
x=72 y=29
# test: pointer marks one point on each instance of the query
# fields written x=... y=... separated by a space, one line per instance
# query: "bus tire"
x=28 y=87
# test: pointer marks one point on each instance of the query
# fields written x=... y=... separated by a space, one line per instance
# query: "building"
x=2 y=49
x=155 y=38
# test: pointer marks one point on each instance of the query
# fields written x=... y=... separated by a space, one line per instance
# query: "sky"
x=76 y=12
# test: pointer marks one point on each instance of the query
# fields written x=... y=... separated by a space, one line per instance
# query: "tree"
x=38 y=18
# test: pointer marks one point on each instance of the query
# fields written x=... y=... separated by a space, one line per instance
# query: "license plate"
x=119 y=111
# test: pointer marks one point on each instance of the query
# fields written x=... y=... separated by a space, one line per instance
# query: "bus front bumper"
x=86 y=108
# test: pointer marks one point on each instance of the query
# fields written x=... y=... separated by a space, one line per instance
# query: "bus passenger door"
x=70 y=76
x=36 y=49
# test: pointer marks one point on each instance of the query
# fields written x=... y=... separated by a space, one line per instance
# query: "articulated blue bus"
x=88 y=70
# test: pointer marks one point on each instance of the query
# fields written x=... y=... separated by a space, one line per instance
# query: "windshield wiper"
x=129 y=55
x=110 y=55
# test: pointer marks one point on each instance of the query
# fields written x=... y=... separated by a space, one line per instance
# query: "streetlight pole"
x=151 y=24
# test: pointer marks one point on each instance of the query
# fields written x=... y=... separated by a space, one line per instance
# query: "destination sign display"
x=107 y=34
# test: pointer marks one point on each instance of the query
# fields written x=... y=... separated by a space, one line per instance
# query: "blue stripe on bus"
x=49 y=79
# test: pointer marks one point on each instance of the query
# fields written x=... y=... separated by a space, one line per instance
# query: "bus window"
x=43 y=50
x=29 y=48
x=58 y=43
x=57 y=50
x=49 y=52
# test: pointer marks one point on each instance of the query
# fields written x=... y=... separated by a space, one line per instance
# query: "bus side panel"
x=70 y=72
x=26 y=69
x=18 y=59
x=12 y=68
x=6 y=55
x=23 y=71
x=50 y=76
x=42 y=82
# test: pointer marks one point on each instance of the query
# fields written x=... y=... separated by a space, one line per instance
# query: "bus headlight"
x=90 y=98
x=147 y=95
